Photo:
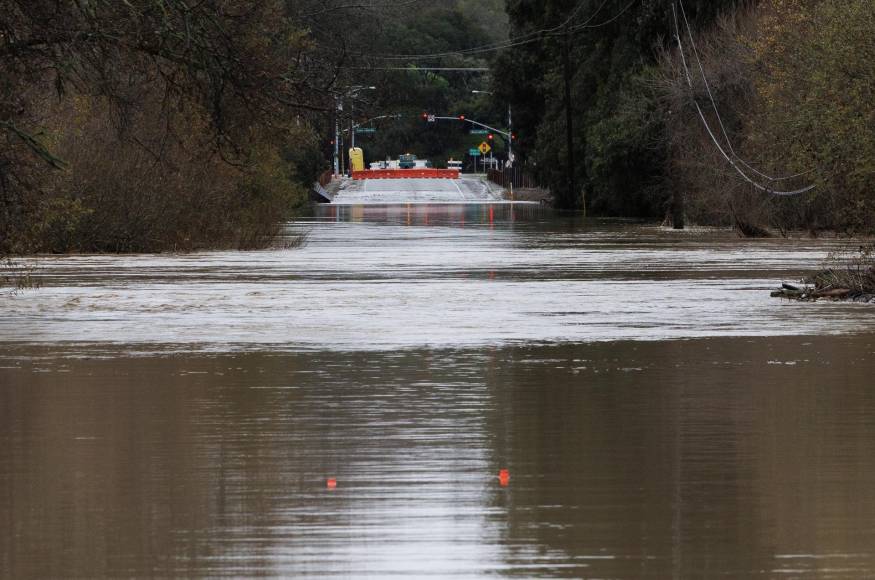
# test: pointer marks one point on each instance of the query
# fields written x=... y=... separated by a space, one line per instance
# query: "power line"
x=421 y=68
x=722 y=151
x=606 y=22
x=717 y=111
x=529 y=38
x=394 y=5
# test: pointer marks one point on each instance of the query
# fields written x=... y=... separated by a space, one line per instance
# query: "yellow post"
x=356 y=159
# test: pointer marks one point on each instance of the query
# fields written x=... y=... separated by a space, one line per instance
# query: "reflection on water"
x=709 y=458
x=453 y=215
x=181 y=415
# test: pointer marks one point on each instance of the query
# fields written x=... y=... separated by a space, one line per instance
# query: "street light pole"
x=570 y=199
x=338 y=109
x=510 y=160
x=353 y=91
x=509 y=138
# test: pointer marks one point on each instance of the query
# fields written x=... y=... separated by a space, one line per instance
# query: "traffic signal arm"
x=464 y=119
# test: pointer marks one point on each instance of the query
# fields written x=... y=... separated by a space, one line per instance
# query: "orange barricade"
x=406 y=174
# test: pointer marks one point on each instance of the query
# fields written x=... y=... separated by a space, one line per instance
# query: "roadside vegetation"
x=792 y=81
x=172 y=125
x=153 y=125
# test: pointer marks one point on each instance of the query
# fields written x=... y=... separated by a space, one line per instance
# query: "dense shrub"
x=793 y=84
x=151 y=125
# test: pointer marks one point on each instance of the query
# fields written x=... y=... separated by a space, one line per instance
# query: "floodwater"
x=470 y=188
x=658 y=415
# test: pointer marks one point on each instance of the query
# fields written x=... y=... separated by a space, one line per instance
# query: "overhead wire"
x=615 y=17
x=373 y=6
x=528 y=38
x=717 y=110
x=707 y=126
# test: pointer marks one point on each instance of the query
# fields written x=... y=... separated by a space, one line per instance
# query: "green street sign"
x=474 y=152
x=479 y=131
x=361 y=130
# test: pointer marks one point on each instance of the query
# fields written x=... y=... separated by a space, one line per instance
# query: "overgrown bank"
x=792 y=87
x=793 y=84
x=150 y=125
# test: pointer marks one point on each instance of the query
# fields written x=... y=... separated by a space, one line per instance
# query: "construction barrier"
x=406 y=174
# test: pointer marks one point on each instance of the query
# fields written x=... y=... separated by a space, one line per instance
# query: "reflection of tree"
x=124 y=466
x=175 y=472
x=650 y=460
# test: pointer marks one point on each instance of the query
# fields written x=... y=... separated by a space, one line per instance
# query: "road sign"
x=364 y=130
x=485 y=148
x=479 y=131
x=474 y=152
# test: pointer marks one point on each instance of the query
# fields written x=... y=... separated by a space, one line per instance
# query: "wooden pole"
x=569 y=200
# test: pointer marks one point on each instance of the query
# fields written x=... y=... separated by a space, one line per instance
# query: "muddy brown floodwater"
x=658 y=415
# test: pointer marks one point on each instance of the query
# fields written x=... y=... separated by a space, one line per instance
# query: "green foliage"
x=615 y=117
x=149 y=125
x=817 y=63
x=430 y=27
x=793 y=83
x=58 y=223
x=622 y=142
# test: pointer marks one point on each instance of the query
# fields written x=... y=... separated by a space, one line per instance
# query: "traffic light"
x=490 y=137
x=513 y=136
x=424 y=116
x=461 y=117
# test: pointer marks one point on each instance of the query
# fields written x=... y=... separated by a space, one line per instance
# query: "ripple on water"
x=400 y=278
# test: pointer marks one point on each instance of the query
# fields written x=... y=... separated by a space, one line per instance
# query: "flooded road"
x=658 y=414
x=380 y=278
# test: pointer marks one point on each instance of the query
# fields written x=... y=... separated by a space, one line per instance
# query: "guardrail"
x=406 y=174
x=515 y=176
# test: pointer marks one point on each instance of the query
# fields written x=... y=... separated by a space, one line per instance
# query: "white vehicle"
x=387 y=164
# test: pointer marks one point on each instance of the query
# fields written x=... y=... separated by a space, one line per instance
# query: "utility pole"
x=338 y=108
x=677 y=209
x=510 y=158
x=571 y=196
x=509 y=139
x=352 y=125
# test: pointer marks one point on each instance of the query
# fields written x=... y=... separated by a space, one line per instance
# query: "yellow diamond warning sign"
x=484 y=148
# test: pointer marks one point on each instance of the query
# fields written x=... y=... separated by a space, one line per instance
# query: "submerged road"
x=657 y=414
x=467 y=189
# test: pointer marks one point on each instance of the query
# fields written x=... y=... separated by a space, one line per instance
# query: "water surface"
x=659 y=415
x=384 y=278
